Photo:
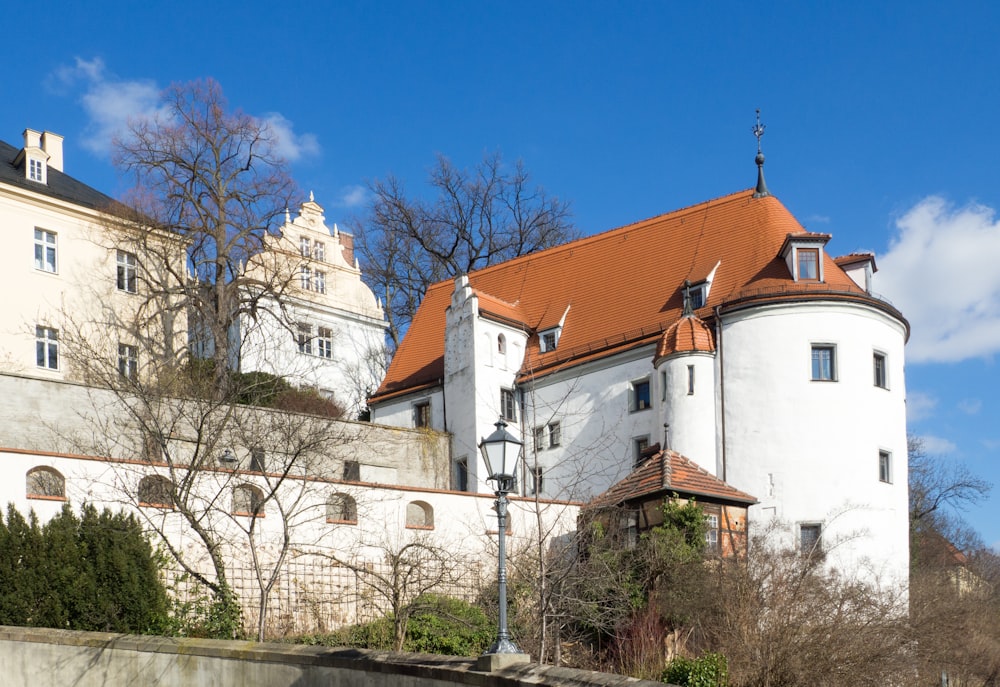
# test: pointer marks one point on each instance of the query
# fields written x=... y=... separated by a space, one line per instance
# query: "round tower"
x=685 y=363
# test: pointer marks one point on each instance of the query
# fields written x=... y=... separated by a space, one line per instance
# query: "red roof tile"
x=624 y=286
x=668 y=472
x=686 y=335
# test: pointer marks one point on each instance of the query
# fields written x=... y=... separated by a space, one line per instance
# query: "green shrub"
x=708 y=671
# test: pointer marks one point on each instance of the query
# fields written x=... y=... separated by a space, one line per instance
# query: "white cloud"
x=940 y=271
x=288 y=144
x=970 y=406
x=352 y=196
x=937 y=446
x=817 y=219
x=919 y=405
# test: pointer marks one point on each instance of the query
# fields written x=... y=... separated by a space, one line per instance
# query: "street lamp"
x=501 y=451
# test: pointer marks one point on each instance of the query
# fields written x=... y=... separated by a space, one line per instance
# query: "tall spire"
x=758 y=131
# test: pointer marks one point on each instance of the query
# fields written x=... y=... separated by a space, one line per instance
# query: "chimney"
x=32 y=139
x=53 y=145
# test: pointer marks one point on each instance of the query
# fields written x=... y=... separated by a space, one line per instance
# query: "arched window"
x=248 y=500
x=419 y=515
x=341 y=508
x=501 y=344
x=44 y=482
x=156 y=491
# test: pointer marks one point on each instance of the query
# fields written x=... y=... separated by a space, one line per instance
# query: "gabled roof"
x=624 y=286
x=669 y=472
x=60 y=185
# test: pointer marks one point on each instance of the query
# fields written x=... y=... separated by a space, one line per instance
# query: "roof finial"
x=758 y=131
x=688 y=310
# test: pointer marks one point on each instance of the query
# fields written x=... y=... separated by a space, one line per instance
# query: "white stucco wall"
x=808 y=450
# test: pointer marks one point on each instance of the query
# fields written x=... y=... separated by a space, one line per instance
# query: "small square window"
x=885 y=467
x=422 y=414
x=549 y=341
x=879 y=368
x=508 y=405
x=697 y=296
x=824 y=363
x=640 y=395
x=808 y=264
x=639 y=444
x=555 y=432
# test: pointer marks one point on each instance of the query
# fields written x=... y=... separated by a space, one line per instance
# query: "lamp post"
x=501 y=451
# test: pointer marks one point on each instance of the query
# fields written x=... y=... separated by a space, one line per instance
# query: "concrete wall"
x=35 y=656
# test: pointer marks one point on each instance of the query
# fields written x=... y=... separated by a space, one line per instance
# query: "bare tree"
x=478 y=218
x=937 y=489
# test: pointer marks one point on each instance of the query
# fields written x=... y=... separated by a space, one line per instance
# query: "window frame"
x=635 y=398
x=344 y=505
x=319 y=251
x=538 y=434
x=427 y=521
x=818 y=374
x=712 y=522
x=815 y=542
x=324 y=342
x=880 y=369
x=46 y=347
x=303 y=337
x=508 y=405
x=422 y=414
x=128 y=361
x=800 y=253
x=885 y=466
x=44 y=249
x=305 y=277
x=460 y=474
x=39 y=494
x=127 y=271
x=166 y=487
x=537 y=483
x=255 y=502
x=319 y=281
x=305 y=247
x=555 y=433
x=36 y=170
x=639 y=444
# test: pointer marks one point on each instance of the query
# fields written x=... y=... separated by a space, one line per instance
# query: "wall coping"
x=452 y=669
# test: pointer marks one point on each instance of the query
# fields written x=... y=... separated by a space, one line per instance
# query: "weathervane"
x=758 y=131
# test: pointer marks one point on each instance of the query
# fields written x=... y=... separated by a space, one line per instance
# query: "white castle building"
x=724 y=331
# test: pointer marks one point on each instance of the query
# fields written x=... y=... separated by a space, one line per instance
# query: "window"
x=352 y=471
x=537 y=480
x=419 y=515
x=36 y=170
x=810 y=539
x=508 y=407
x=501 y=344
x=539 y=438
x=460 y=474
x=808 y=263
x=156 y=492
x=549 y=341
x=342 y=508
x=304 y=247
x=555 y=431
x=45 y=250
x=878 y=363
x=304 y=338
x=319 y=251
x=690 y=380
x=422 y=414
x=697 y=296
x=248 y=500
x=824 y=363
x=319 y=282
x=640 y=395
x=885 y=467
x=127 y=272
x=324 y=342
x=712 y=532
x=47 y=347
x=44 y=482
x=257 y=463
x=639 y=444
x=306 y=275
x=128 y=361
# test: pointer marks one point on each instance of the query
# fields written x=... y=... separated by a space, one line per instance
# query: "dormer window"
x=549 y=339
x=36 y=170
x=803 y=254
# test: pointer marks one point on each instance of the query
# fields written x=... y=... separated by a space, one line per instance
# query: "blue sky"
x=882 y=128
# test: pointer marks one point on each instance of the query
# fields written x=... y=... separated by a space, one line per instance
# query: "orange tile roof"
x=624 y=286
x=686 y=335
x=668 y=471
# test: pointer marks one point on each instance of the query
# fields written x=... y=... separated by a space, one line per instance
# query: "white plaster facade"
x=328 y=332
x=821 y=455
